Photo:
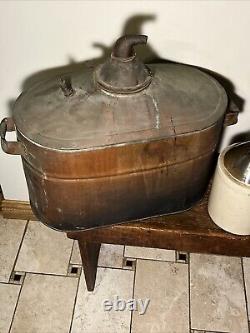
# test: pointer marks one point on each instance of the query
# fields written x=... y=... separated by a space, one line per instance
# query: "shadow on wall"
x=133 y=25
x=241 y=137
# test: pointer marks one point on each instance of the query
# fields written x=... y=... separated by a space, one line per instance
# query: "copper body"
x=73 y=191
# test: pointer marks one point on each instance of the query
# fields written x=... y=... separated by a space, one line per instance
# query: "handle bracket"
x=9 y=147
x=232 y=113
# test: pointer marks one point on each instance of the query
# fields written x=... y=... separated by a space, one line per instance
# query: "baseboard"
x=14 y=209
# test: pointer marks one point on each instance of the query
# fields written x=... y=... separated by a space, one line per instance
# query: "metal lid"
x=119 y=102
x=237 y=162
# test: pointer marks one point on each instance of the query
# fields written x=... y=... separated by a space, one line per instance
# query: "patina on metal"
x=120 y=141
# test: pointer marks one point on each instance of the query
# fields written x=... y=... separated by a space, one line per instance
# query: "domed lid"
x=119 y=102
x=237 y=162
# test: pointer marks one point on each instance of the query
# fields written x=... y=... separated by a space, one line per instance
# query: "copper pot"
x=117 y=142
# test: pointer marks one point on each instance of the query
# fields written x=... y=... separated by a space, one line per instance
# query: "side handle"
x=9 y=147
x=231 y=117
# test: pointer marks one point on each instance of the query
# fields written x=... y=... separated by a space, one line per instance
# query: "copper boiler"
x=117 y=142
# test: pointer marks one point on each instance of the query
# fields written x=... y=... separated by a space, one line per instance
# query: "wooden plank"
x=14 y=209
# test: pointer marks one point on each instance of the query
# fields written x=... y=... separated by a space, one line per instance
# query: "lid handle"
x=124 y=46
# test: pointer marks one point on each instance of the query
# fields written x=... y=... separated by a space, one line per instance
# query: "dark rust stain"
x=66 y=86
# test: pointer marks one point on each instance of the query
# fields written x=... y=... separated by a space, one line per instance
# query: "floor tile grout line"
x=19 y=248
x=133 y=295
x=245 y=292
x=76 y=296
x=14 y=313
x=66 y=275
x=189 y=294
x=11 y=283
x=204 y=331
x=101 y=266
x=51 y=274
x=71 y=253
x=156 y=260
x=47 y=274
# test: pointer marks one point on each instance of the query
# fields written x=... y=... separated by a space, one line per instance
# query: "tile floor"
x=42 y=288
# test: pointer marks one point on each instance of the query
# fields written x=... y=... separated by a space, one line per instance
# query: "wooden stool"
x=189 y=231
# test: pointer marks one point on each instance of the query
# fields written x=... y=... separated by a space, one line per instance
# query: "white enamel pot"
x=229 y=201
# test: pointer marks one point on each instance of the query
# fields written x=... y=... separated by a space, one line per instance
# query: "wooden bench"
x=189 y=231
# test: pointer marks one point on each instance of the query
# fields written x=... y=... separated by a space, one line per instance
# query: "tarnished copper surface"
x=73 y=191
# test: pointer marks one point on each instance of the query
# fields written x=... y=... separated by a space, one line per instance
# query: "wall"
x=39 y=35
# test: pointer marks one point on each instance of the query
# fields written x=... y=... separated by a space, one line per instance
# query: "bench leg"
x=89 y=254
